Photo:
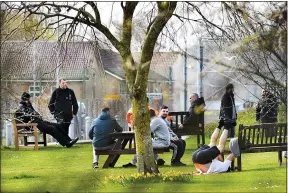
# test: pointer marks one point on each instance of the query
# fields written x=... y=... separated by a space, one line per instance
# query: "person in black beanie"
x=27 y=114
x=228 y=114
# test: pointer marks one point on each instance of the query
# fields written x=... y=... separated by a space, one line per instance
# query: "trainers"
x=95 y=165
x=71 y=143
x=128 y=165
x=160 y=162
x=177 y=164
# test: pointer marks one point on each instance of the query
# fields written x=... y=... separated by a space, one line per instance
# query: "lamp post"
x=185 y=77
x=57 y=10
x=200 y=69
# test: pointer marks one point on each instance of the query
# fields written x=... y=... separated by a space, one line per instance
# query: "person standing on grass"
x=63 y=104
x=100 y=131
x=228 y=114
x=267 y=111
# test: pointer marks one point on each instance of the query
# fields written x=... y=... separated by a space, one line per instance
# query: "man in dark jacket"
x=266 y=111
x=228 y=114
x=196 y=109
x=63 y=104
x=27 y=114
x=100 y=131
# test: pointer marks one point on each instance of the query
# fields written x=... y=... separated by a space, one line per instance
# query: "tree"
x=256 y=33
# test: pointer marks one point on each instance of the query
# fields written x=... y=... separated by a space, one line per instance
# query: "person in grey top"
x=161 y=137
x=178 y=145
x=100 y=131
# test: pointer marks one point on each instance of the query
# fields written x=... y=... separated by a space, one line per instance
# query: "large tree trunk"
x=145 y=156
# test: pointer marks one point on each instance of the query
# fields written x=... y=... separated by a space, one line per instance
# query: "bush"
x=248 y=118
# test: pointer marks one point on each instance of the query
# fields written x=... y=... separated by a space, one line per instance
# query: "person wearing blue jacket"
x=100 y=131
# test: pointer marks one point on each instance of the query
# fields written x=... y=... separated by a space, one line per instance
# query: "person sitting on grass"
x=208 y=159
x=100 y=131
x=161 y=138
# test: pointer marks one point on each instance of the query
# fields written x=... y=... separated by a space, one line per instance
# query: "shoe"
x=71 y=143
x=128 y=165
x=160 y=162
x=95 y=165
x=177 y=164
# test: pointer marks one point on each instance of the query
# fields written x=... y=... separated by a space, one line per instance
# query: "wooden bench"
x=20 y=131
x=193 y=127
x=252 y=139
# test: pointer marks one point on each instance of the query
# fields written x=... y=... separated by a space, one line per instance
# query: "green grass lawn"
x=58 y=169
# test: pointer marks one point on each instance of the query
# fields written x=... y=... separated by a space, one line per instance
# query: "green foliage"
x=171 y=176
x=282 y=113
x=247 y=118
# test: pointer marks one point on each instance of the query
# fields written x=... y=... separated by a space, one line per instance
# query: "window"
x=123 y=87
x=35 y=90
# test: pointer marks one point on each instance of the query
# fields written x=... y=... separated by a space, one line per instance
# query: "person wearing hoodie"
x=27 y=114
x=63 y=104
x=100 y=131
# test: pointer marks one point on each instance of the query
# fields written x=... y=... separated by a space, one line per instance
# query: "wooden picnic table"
x=121 y=147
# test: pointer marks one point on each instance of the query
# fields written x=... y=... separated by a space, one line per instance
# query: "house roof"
x=19 y=60
x=159 y=68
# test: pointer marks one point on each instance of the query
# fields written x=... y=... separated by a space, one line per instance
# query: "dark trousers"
x=66 y=121
x=55 y=130
x=178 y=147
x=205 y=154
x=269 y=132
x=231 y=132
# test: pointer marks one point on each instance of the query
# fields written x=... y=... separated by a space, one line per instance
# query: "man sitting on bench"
x=100 y=131
x=161 y=137
x=208 y=159
x=27 y=114
x=177 y=144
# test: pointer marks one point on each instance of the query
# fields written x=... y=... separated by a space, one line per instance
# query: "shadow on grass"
x=260 y=169
x=41 y=148
x=22 y=176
